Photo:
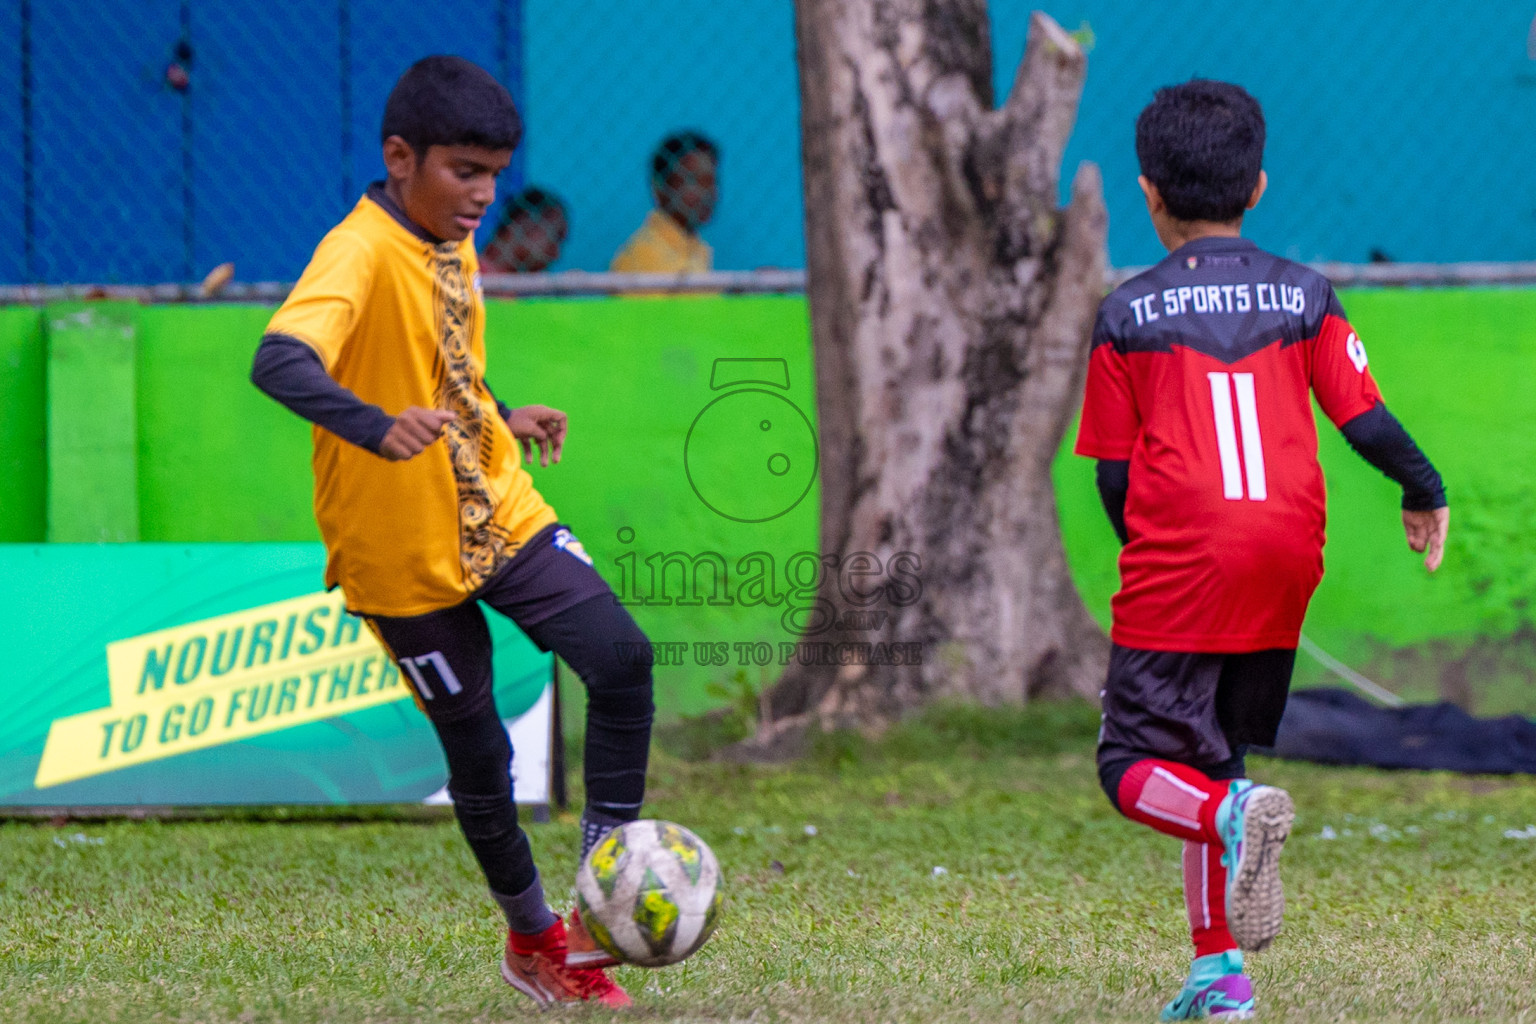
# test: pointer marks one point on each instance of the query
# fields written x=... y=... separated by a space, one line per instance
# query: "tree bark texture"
x=951 y=305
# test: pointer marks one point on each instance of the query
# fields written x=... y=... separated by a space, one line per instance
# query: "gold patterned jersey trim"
x=483 y=545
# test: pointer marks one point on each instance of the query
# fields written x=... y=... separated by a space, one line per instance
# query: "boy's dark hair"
x=672 y=150
x=1202 y=145
x=449 y=101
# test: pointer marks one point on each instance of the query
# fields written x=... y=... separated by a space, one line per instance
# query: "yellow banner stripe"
x=223 y=680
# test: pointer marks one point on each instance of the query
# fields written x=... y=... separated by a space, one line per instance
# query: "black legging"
x=603 y=645
x=601 y=642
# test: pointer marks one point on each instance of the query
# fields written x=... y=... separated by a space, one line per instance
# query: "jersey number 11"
x=1232 y=470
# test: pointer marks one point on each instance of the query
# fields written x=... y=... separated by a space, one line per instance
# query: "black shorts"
x=1194 y=709
x=552 y=572
x=446 y=654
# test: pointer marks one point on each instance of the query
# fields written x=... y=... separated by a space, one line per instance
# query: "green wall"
x=635 y=375
x=217 y=461
x=23 y=426
x=93 y=465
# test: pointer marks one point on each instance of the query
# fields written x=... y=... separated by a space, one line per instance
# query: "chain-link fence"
x=159 y=138
x=147 y=141
x=151 y=140
x=1395 y=132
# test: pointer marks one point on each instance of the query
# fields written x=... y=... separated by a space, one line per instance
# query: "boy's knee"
x=488 y=817
x=611 y=670
x=628 y=701
x=619 y=681
x=479 y=756
x=1111 y=771
x=485 y=774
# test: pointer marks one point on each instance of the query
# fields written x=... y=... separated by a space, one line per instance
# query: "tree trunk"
x=951 y=303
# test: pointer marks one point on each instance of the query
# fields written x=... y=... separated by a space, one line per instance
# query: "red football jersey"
x=1201 y=374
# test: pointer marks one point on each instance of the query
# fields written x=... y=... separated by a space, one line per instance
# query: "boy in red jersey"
x=1198 y=409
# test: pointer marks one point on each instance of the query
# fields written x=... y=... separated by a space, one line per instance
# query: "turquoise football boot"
x=1254 y=822
x=1216 y=987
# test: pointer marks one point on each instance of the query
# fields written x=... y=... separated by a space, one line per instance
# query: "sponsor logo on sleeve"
x=566 y=541
x=1355 y=349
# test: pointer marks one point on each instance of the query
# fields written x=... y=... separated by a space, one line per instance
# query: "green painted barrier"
x=93 y=456
x=218 y=462
x=23 y=426
x=661 y=394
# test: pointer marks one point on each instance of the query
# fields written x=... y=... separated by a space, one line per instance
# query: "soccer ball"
x=649 y=893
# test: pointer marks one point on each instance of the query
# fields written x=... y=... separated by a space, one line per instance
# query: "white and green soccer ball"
x=649 y=893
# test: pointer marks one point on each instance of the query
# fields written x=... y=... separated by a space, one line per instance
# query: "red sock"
x=1205 y=897
x=550 y=941
x=1175 y=799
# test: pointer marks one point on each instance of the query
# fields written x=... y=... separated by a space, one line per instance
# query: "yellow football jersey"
x=400 y=321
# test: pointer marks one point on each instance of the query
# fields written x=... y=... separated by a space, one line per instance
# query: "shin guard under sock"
x=1172 y=798
x=1205 y=897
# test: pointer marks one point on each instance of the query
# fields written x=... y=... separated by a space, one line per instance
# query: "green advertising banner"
x=173 y=674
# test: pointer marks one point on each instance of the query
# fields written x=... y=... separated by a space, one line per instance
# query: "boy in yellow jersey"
x=425 y=507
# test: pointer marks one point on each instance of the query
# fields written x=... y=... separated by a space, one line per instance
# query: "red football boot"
x=536 y=966
x=581 y=949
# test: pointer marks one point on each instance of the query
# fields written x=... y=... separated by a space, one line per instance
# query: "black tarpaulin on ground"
x=1334 y=726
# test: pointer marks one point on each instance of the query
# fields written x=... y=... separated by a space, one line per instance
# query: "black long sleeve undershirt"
x=1114 y=479
x=291 y=372
x=1376 y=436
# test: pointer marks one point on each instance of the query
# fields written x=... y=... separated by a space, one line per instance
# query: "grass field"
x=963 y=868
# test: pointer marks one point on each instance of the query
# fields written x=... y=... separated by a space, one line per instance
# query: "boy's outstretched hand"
x=1426 y=532
x=541 y=425
x=414 y=429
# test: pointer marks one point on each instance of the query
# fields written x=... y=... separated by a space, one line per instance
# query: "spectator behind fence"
x=685 y=184
x=533 y=227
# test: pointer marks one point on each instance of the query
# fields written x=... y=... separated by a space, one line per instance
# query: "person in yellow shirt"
x=685 y=185
x=426 y=509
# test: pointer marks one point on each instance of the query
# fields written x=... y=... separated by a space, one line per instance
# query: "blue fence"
x=1404 y=132
x=122 y=176
x=1404 y=129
